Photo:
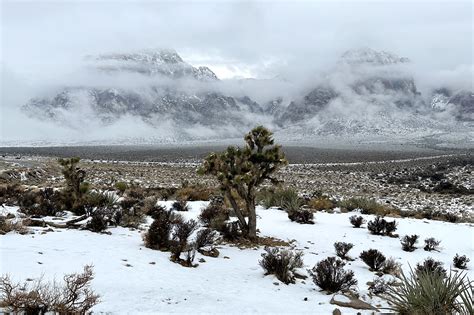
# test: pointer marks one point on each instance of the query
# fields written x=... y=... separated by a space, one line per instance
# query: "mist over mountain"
x=366 y=93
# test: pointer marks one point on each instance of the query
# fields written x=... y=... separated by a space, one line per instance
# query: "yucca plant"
x=431 y=293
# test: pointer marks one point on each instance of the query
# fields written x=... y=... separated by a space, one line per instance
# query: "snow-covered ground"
x=133 y=279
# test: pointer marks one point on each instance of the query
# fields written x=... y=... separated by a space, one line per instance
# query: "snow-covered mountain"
x=364 y=94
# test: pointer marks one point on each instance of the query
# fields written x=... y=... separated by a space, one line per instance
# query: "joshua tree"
x=74 y=177
x=241 y=170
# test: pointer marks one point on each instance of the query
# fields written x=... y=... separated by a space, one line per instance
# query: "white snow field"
x=233 y=283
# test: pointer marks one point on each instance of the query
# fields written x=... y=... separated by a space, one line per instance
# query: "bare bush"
x=329 y=275
x=73 y=296
x=431 y=244
x=302 y=216
x=180 y=205
x=357 y=221
x=460 y=261
x=380 y=226
x=373 y=258
x=430 y=265
x=342 y=249
x=408 y=242
x=282 y=263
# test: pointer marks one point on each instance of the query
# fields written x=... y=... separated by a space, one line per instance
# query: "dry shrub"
x=321 y=203
x=9 y=225
x=430 y=265
x=460 y=261
x=180 y=205
x=73 y=296
x=342 y=248
x=302 y=216
x=158 y=235
x=215 y=214
x=373 y=258
x=431 y=244
x=380 y=226
x=408 y=242
x=195 y=193
x=282 y=263
x=356 y=221
x=329 y=275
x=391 y=267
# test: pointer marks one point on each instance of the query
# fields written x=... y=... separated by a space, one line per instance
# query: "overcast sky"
x=236 y=38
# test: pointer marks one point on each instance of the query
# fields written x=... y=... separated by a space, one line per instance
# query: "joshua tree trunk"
x=252 y=225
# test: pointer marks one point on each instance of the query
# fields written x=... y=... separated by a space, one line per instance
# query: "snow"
x=234 y=285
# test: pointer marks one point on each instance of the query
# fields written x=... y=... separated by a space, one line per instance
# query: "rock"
x=209 y=253
x=336 y=312
x=349 y=300
x=202 y=260
x=276 y=283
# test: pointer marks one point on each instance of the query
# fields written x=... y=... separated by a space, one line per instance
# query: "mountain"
x=366 y=93
x=162 y=62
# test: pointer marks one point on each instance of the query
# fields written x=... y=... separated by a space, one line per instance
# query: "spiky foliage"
x=75 y=185
x=460 y=261
x=277 y=197
x=431 y=244
x=282 y=263
x=373 y=258
x=329 y=275
x=427 y=293
x=432 y=266
x=342 y=248
x=356 y=221
x=242 y=170
x=408 y=242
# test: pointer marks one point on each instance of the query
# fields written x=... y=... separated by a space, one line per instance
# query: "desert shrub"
x=180 y=205
x=158 y=235
x=121 y=187
x=321 y=203
x=231 y=231
x=379 y=226
x=431 y=266
x=97 y=223
x=135 y=192
x=181 y=233
x=460 y=261
x=408 y=242
x=42 y=202
x=378 y=286
x=329 y=275
x=129 y=203
x=205 y=237
x=391 y=267
x=373 y=258
x=431 y=244
x=10 y=193
x=194 y=193
x=302 y=216
x=431 y=293
x=356 y=221
x=281 y=263
x=73 y=296
x=278 y=197
x=342 y=249
x=8 y=224
x=215 y=214
x=367 y=206
x=451 y=217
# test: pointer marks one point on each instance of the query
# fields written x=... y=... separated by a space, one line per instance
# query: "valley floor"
x=133 y=279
